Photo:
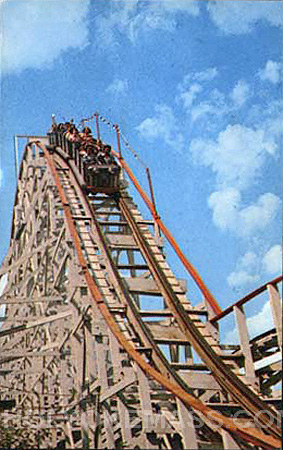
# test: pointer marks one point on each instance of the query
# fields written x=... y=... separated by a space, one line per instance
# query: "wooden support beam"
x=276 y=310
x=122 y=241
x=43 y=299
x=36 y=323
x=149 y=286
x=243 y=333
x=5 y=356
x=123 y=411
x=129 y=378
x=187 y=426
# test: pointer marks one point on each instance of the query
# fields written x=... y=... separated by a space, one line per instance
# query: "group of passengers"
x=90 y=149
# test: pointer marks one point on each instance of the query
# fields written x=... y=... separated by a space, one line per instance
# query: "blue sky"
x=197 y=90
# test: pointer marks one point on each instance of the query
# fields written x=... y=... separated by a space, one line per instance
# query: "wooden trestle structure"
x=87 y=362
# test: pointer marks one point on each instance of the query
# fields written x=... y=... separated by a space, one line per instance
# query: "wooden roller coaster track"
x=86 y=362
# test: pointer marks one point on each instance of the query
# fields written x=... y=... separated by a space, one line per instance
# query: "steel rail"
x=249 y=434
x=246 y=298
x=192 y=271
x=225 y=377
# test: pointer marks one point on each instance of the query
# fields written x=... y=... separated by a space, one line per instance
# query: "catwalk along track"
x=87 y=358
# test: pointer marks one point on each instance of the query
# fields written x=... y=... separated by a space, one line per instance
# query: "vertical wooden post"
x=174 y=352
x=244 y=340
x=187 y=426
x=189 y=358
x=101 y=349
x=122 y=409
x=276 y=309
x=213 y=327
x=147 y=414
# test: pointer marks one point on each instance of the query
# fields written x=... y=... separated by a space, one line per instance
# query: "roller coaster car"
x=98 y=177
x=102 y=177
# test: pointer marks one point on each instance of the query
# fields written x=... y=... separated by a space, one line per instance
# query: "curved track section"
x=109 y=363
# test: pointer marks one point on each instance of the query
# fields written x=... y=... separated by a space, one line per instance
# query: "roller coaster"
x=86 y=362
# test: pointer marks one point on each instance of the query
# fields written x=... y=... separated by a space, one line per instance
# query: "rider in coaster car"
x=90 y=147
x=85 y=137
x=100 y=157
x=85 y=133
x=61 y=127
x=109 y=159
x=73 y=134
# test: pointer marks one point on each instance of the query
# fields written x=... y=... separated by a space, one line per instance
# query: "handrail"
x=245 y=299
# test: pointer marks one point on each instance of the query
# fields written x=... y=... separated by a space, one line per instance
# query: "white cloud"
x=162 y=126
x=35 y=33
x=271 y=72
x=192 y=86
x=190 y=7
x=188 y=97
x=216 y=106
x=260 y=214
x=272 y=124
x=205 y=75
x=236 y=17
x=261 y=321
x=237 y=155
x=229 y=214
x=246 y=272
x=149 y=20
x=241 y=278
x=132 y=17
x=240 y=93
x=118 y=87
x=225 y=207
x=201 y=110
x=251 y=267
x=257 y=324
x=249 y=260
x=272 y=260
